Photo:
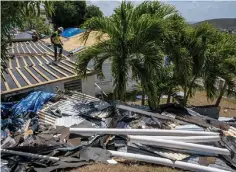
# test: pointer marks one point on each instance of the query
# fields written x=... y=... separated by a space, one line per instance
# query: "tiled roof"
x=32 y=66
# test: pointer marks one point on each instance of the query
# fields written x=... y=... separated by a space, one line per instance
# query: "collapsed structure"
x=68 y=131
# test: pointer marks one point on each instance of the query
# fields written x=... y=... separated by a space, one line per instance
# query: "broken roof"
x=32 y=66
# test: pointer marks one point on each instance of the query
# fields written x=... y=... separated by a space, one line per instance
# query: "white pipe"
x=139 y=111
x=149 y=132
x=165 y=161
x=179 y=145
x=190 y=139
x=30 y=155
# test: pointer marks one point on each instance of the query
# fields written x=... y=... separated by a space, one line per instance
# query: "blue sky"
x=192 y=10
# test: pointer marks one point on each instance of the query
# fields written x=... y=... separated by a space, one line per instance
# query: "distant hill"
x=223 y=23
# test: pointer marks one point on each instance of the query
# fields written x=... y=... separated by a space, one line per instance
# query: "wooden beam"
x=73 y=67
x=35 y=77
x=28 y=49
x=24 y=61
x=38 y=84
x=53 y=52
x=40 y=62
x=10 y=63
x=17 y=50
x=14 y=78
x=43 y=83
x=42 y=47
x=33 y=48
x=6 y=85
x=45 y=59
x=42 y=74
x=68 y=70
x=23 y=49
x=31 y=60
x=23 y=76
x=53 y=74
x=17 y=62
x=58 y=70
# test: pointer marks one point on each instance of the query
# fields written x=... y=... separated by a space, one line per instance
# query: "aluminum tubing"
x=178 y=145
x=165 y=161
x=189 y=139
x=146 y=132
x=29 y=155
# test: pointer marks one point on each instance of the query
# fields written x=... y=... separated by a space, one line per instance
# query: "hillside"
x=223 y=23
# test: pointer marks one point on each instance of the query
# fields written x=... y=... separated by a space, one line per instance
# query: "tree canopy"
x=73 y=13
x=93 y=11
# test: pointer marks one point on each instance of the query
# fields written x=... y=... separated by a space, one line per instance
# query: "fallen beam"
x=165 y=161
x=29 y=155
x=149 y=132
x=189 y=139
x=139 y=111
x=179 y=145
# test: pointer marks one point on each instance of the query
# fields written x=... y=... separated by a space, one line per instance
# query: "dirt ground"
x=228 y=106
x=124 y=168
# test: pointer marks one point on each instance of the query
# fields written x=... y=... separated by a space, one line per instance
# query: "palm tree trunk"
x=143 y=97
x=168 y=98
x=222 y=91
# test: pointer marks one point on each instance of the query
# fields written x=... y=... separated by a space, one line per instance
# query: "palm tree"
x=186 y=50
x=134 y=44
x=220 y=63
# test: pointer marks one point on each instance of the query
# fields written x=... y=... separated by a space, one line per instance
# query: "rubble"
x=55 y=133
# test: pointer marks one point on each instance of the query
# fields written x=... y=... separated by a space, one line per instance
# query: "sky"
x=193 y=11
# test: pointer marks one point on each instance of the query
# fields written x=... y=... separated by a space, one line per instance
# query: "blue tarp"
x=32 y=103
x=71 y=32
x=12 y=114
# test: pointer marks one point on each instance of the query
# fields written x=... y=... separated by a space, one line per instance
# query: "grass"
x=228 y=105
x=125 y=168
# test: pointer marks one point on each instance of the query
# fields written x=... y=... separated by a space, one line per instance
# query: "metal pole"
x=179 y=145
x=165 y=161
x=147 y=132
x=190 y=139
x=29 y=155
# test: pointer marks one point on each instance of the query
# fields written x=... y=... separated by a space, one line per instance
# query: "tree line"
x=139 y=39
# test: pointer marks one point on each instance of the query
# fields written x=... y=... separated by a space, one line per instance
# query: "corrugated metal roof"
x=71 y=108
x=32 y=66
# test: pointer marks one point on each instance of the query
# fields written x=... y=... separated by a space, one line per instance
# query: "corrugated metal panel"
x=75 y=85
x=68 y=121
x=74 y=105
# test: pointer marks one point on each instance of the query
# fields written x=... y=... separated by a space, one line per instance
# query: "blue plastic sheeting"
x=71 y=32
x=32 y=103
x=5 y=109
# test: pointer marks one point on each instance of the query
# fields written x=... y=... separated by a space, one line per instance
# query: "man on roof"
x=56 y=41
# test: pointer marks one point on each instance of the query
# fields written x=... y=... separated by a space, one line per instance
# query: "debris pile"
x=53 y=133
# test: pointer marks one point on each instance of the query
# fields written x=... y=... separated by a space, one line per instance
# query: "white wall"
x=88 y=86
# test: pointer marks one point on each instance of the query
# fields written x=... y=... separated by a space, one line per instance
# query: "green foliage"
x=220 y=63
x=134 y=34
x=93 y=11
x=37 y=23
x=13 y=14
x=68 y=13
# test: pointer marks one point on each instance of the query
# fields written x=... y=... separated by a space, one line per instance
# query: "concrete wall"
x=88 y=86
